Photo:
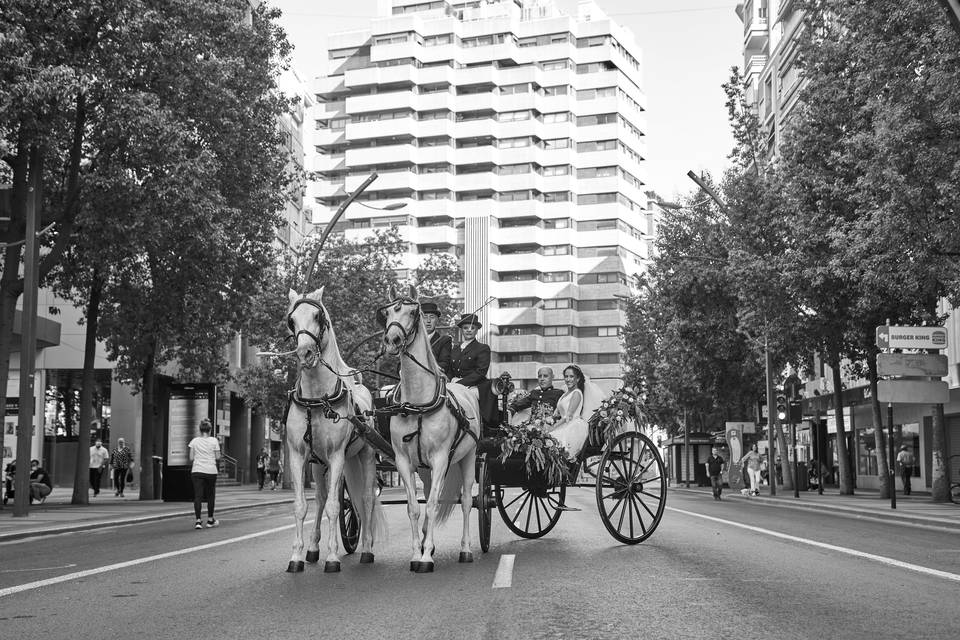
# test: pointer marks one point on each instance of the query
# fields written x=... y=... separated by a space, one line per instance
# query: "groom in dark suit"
x=470 y=359
x=440 y=344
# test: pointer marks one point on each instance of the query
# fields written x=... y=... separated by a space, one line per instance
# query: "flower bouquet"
x=543 y=456
x=621 y=405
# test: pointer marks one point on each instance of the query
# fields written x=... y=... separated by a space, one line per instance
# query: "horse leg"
x=368 y=466
x=438 y=467
x=320 y=488
x=468 y=470
x=331 y=510
x=413 y=507
x=427 y=480
x=299 y=506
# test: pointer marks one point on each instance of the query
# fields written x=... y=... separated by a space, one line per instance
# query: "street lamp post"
x=336 y=218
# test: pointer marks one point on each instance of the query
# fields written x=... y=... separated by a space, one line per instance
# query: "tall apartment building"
x=515 y=135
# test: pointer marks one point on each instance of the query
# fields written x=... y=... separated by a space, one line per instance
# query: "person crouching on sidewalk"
x=205 y=453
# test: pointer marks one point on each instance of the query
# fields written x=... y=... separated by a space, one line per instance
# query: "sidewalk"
x=914 y=509
x=57 y=515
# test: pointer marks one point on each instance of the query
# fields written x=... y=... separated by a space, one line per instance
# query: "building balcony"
x=378 y=101
x=756 y=35
x=433 y=181
x=526 y=371
x=433 y=101
x=386 y=181
x=553 y=344
x=379 y=155
x=326 y=137
x=327 y=162
x=325 y=189
x=431 y=208
x=476 y=155
x=513 y=316
x=519 y=343
x=327 y=85
x=440 y=235
x=381 y=129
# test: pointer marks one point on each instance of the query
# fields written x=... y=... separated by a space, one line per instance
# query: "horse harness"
x=325 y=404
x=441 y=399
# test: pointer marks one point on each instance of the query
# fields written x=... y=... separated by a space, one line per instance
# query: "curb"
x=850 y=512
x=104 y=524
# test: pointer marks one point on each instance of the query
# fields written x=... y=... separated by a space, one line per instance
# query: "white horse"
x=425 y=432
x=327 y=397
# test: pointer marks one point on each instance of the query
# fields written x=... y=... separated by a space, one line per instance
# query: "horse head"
x=309 y=323
x=400 y=319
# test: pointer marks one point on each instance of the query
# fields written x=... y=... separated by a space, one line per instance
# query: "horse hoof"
x=415 y=565
x=465 y=556
x=295 y=566
x=425 y=567
x=366 y=558
x=313 y=557
x=331 y=566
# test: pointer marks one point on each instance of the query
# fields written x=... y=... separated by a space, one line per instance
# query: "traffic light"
x=781 y=405
x=796 y=411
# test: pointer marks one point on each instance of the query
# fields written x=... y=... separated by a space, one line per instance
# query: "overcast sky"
x=687 y=49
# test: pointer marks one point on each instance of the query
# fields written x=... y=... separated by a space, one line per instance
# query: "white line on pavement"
x=832 y=547
x=504 y=577
x=64 y=566
x=130 y=563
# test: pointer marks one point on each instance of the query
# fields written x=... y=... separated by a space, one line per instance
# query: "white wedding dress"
x=571 y=430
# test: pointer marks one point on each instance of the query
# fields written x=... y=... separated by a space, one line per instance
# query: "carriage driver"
x=469 y=362
x=470 y=359
x=439 y=343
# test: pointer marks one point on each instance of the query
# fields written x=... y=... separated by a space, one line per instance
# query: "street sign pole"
x=892 y=462
x=772 y=421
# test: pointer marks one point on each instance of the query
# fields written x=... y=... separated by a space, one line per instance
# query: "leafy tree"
x=870 y=168
x=438 y=277
x=181 y=182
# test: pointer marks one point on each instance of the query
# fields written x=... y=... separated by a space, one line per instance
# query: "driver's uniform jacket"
x=470 y=363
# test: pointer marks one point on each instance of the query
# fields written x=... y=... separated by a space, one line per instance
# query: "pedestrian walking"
x=262 y=459
x=121 y=459
x=273 y=468
x=204 y=453
x=906 y=461
x=752 y=461
x=99 y=459
x=715 y=468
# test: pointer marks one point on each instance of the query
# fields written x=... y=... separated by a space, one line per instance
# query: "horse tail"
x=450 y=495
x=353 y=474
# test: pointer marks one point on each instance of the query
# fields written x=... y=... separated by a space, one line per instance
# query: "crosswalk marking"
x=504 y=577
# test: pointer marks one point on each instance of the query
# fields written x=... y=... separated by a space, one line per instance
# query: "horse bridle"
x=316 y=337
x=407 y=336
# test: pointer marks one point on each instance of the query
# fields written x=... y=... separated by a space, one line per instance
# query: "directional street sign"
x=891 y=337
x=913 y=391
x=930 y=365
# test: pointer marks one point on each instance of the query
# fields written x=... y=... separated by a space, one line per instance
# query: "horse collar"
x=339 y=393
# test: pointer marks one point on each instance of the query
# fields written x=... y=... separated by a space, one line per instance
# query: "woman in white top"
x=204 y=452
x=571 y=429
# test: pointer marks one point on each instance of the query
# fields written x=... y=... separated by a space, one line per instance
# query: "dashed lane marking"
x=504 y=577
x=832 y=547
x=9 y=591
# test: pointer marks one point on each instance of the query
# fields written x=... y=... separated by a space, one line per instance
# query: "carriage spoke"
x=623 y=512
x=526 y=496
x=643 y=503
x=509 y=504
x=643 y=527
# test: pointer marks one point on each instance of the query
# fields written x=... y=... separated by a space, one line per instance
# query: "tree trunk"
x=846 y=473
x=148 y=411
x=81 y=478
x=880 y=448
x=940 y=479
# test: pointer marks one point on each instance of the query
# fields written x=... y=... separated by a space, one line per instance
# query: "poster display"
x=187 y=406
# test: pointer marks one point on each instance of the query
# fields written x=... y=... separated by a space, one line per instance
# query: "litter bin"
x=803 y=484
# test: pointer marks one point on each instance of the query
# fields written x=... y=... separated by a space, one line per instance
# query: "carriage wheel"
x=349 y=521
x=529 y=514
x=484 y=503
x=631 y=487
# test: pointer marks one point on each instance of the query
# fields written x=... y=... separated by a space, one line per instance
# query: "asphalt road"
x=731 y=569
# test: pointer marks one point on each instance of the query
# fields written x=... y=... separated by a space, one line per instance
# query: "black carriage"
x=621 y=465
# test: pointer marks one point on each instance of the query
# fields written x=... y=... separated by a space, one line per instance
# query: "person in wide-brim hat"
x=469 y=318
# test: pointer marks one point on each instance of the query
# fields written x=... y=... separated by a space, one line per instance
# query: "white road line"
x=832 y=547
x=64 y=566
x=9 y=591
x=504 y=577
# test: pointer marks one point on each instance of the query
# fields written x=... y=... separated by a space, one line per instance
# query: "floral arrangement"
x=622 y=404
x=543 y=455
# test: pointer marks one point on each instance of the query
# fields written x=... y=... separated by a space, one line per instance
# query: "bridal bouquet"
x=542 y=454
x=621 y=405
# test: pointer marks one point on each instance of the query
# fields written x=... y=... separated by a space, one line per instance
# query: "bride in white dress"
x=570 y=430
